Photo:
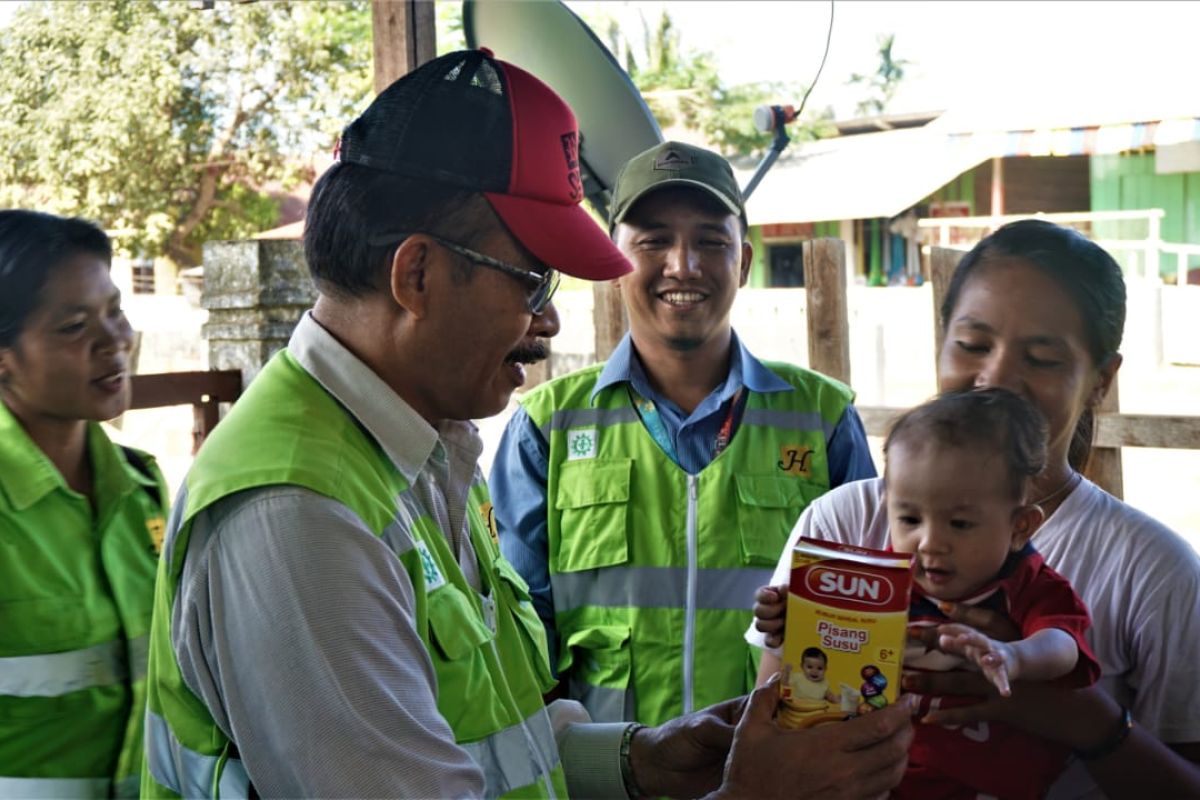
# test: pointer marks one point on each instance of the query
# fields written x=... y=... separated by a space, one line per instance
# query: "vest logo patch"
x=156 y=527
x=795 y=459
x=489 y=519
x=433 y=577
x=581 y=443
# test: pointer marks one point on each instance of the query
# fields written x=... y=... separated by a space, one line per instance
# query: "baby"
x=810 y=683
x=956 y=480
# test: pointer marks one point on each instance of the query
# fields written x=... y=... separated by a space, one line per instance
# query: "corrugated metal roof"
x=882 y=174
x=860 y=177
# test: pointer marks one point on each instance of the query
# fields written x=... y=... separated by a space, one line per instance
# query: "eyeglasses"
x=542 y=285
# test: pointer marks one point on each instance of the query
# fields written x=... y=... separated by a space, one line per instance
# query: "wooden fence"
x=203 y=391
x=829 y=353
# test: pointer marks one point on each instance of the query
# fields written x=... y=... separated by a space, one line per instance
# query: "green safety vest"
x=491 y=665
x=653 y=570
x=76 y=592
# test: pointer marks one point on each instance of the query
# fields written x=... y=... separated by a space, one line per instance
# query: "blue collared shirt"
x=519 y=472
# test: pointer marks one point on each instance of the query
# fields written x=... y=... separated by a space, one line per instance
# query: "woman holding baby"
x=1039 y=310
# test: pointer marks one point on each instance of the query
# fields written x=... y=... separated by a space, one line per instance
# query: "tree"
x=163 y=118
x=682 y=88
x=884 y=81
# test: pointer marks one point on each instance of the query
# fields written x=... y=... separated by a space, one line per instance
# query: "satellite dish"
x=548 y=40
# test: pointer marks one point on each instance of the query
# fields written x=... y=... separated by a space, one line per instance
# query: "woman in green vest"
x=81 y=519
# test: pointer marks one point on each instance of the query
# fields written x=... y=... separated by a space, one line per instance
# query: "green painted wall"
x=1127 y=182
x=758 y=266
x=959 y=190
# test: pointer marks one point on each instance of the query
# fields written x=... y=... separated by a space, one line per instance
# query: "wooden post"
x=828 y=315
x=1104 y=465
x=404 y=38
x=608 y=317
x=942 y=263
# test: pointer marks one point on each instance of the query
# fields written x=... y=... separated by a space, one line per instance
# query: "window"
x=142 y=273
x=787 y=264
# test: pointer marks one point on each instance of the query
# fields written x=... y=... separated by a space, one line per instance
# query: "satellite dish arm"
x=768 y=118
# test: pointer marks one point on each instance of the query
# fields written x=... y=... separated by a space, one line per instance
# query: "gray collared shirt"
x=295 y=625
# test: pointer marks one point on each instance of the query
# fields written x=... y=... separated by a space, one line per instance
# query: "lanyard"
x=657 y=429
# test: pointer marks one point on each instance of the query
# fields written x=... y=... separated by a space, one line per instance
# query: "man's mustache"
x=528 y=354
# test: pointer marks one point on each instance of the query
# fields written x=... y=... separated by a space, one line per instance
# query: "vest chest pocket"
x=50 y=624
x=768 y=507
x=528 y=622
x=457 y=630
x=592 y=499
x=598 y=661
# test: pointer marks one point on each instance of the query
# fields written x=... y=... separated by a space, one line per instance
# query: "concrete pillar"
x=255 y=291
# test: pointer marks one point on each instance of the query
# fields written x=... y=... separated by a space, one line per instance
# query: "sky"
x=962 y=53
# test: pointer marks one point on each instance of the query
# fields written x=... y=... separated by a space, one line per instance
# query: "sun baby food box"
x=847 y=610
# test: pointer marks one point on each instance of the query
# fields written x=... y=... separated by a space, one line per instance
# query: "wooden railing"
x=203 y=391
x=1144 y=253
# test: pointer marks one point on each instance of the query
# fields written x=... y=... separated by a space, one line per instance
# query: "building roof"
x=881 y=174
x=860 y=177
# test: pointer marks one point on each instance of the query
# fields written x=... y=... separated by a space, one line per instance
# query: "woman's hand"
x=990 y=623
x=770 y=612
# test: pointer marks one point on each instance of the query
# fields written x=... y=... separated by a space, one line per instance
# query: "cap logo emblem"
x=570 y=146
x=673 y=159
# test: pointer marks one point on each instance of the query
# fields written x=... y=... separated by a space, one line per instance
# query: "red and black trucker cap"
x=470 y=120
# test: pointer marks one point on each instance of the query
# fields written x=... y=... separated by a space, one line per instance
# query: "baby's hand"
x=770 y=611
x=997 y=660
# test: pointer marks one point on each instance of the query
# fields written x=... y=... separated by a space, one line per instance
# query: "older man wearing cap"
x=332 y=616
x=645 y=499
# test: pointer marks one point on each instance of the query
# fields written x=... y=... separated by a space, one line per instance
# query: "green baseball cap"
x=675 y=164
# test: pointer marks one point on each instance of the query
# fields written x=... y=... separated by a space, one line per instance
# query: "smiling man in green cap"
x=646 y=498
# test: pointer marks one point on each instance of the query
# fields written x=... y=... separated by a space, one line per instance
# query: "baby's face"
x=953 y=508
x=814 y=669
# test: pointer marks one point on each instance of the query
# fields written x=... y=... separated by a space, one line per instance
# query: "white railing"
x=1141 y=255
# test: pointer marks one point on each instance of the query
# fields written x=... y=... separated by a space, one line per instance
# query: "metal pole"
x=777 y=146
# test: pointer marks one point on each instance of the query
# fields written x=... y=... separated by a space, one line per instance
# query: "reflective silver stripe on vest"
x=657 y=587
x=575 y=417
x=54 y=674
x=139 y=653
x=67 y=788
x=505 y=756
x=185 y=771
x=604 y=704
x=787 y=420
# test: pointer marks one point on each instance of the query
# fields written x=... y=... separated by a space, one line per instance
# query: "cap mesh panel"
x=446 y=121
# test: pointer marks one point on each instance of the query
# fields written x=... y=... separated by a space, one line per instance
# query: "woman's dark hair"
x=1084 y=270
x=994 y=420
x=351 y=204
x=32 y=245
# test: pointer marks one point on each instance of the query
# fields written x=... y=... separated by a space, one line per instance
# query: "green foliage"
x=682 y=88
x=884 y=81
x=450 y=34
x=160 y=118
